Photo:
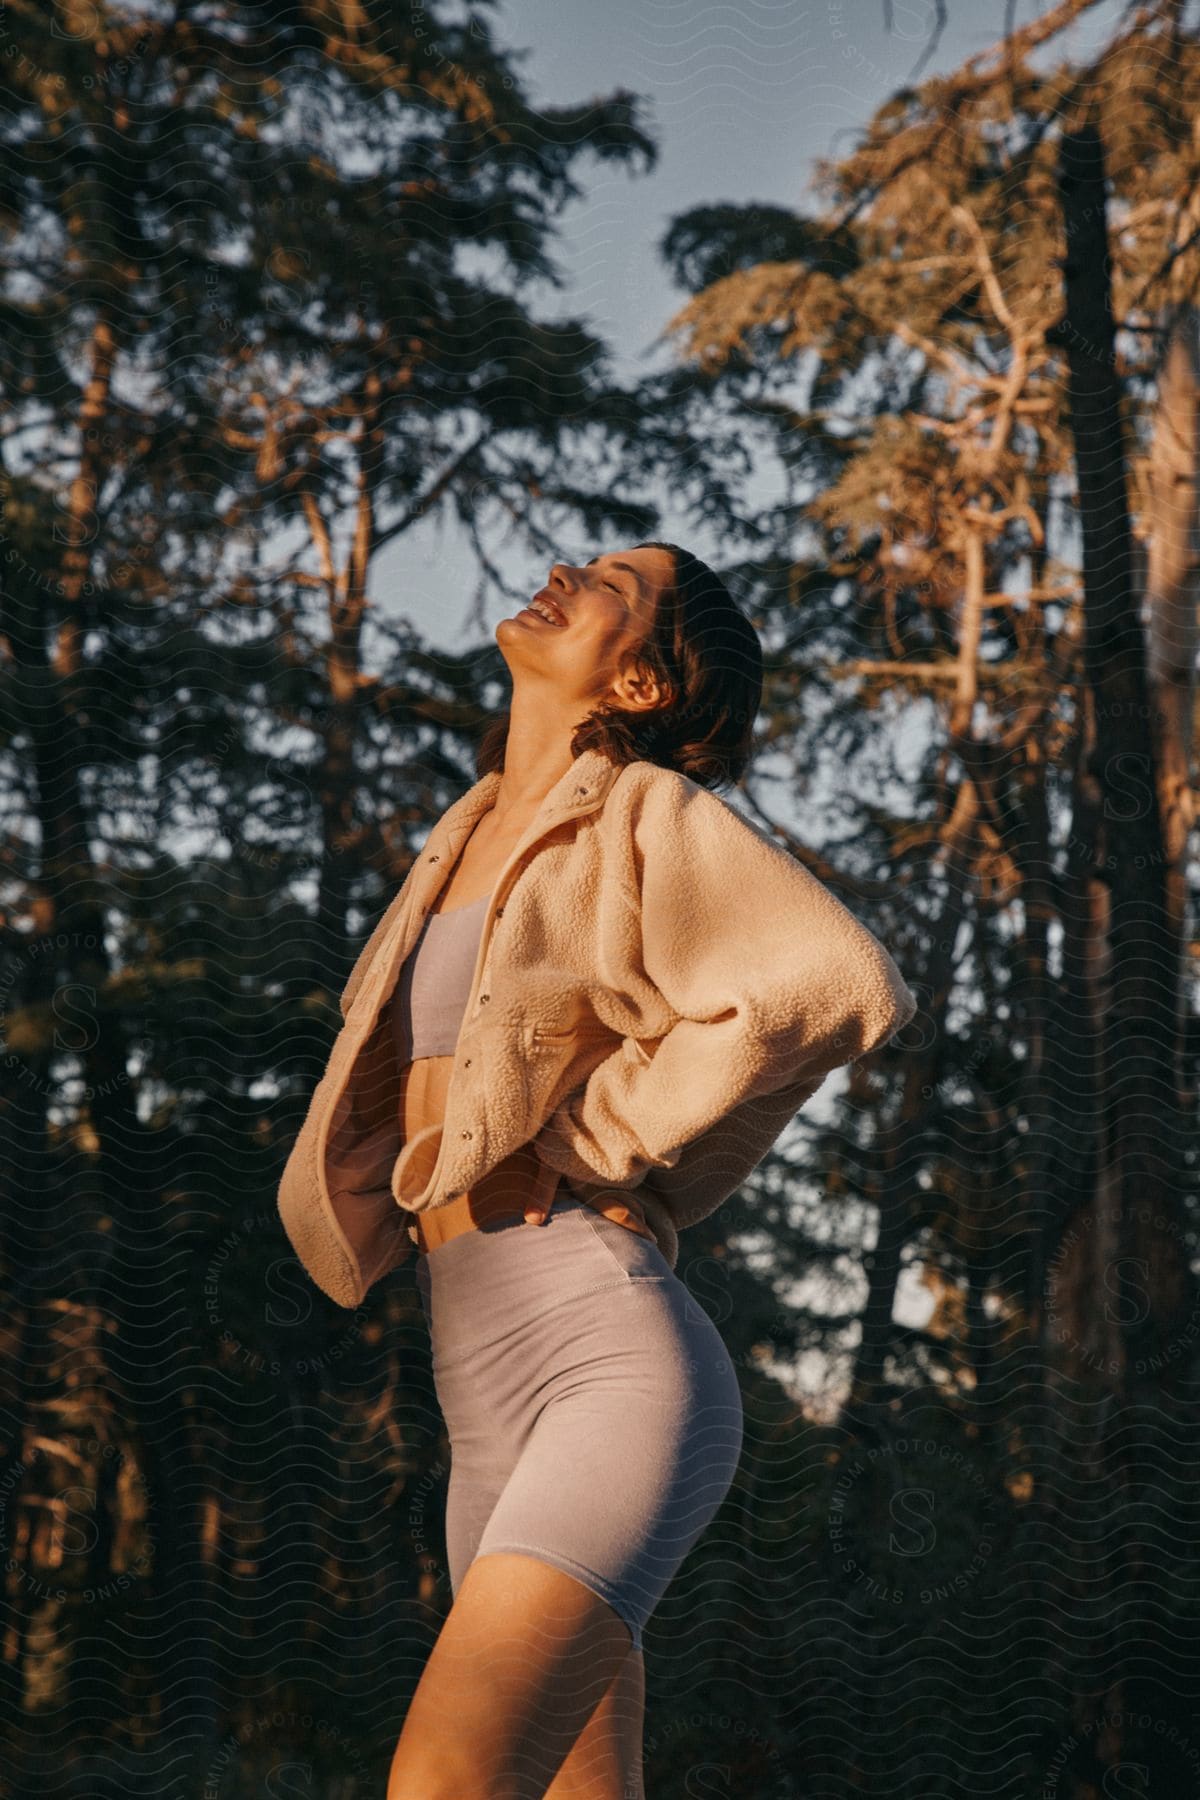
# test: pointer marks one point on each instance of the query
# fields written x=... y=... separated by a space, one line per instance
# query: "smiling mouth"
x=557 y=619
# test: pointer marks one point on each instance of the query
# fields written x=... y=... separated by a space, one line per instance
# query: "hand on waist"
x=520 y=1181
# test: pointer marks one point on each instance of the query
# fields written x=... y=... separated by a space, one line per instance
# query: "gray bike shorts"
x=594 y=1414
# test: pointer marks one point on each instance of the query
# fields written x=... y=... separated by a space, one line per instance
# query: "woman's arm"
x=774 y=981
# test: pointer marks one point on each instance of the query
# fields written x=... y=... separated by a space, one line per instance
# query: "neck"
x=537 y=754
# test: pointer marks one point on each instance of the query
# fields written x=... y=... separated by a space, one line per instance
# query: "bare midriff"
x=425 y=1081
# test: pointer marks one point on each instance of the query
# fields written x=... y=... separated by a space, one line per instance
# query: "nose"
x=559 y=574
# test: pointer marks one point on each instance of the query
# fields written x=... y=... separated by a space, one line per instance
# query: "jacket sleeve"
x=774 y=983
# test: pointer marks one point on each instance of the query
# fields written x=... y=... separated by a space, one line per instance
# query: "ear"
x=636 y=687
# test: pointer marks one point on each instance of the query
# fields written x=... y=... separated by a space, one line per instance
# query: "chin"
x=513 y=629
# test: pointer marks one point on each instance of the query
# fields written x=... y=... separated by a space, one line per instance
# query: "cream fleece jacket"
x=659 y=988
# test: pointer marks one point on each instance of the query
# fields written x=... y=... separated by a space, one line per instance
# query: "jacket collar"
x=579 y=790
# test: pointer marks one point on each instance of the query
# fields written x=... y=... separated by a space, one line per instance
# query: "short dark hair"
x=706 y=657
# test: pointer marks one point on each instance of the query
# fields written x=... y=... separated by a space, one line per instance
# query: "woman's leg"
x=532 y=1692
x=595 y=1419
x=608 y=1754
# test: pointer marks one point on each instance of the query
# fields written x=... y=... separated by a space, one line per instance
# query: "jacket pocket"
x=548 y=1059
x=539 y=1036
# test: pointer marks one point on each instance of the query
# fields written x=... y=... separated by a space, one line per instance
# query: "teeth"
x=544 y=612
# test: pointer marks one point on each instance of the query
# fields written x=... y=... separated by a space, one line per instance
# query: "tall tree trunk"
x=1138 y=956
x=347 y=589
x=1172 y=613
x=868 y=1391
x=1127 y=1281
x=75 y=938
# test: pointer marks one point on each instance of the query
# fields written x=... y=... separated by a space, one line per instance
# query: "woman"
x=596 y=1001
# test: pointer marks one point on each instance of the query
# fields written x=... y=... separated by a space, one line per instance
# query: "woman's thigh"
x=531 y=1689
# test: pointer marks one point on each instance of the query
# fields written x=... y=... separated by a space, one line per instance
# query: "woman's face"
x=608 y=605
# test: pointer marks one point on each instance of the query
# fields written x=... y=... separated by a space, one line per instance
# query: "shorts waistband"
x=468 y=1212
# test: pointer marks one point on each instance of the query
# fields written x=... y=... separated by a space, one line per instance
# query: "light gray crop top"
x=431 y=992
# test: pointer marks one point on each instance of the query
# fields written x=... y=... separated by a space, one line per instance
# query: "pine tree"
x=219 y=326
x=985 y=309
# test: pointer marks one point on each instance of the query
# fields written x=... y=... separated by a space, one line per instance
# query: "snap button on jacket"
x=665 y=987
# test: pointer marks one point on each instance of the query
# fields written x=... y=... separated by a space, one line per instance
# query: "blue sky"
x=743 y=98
